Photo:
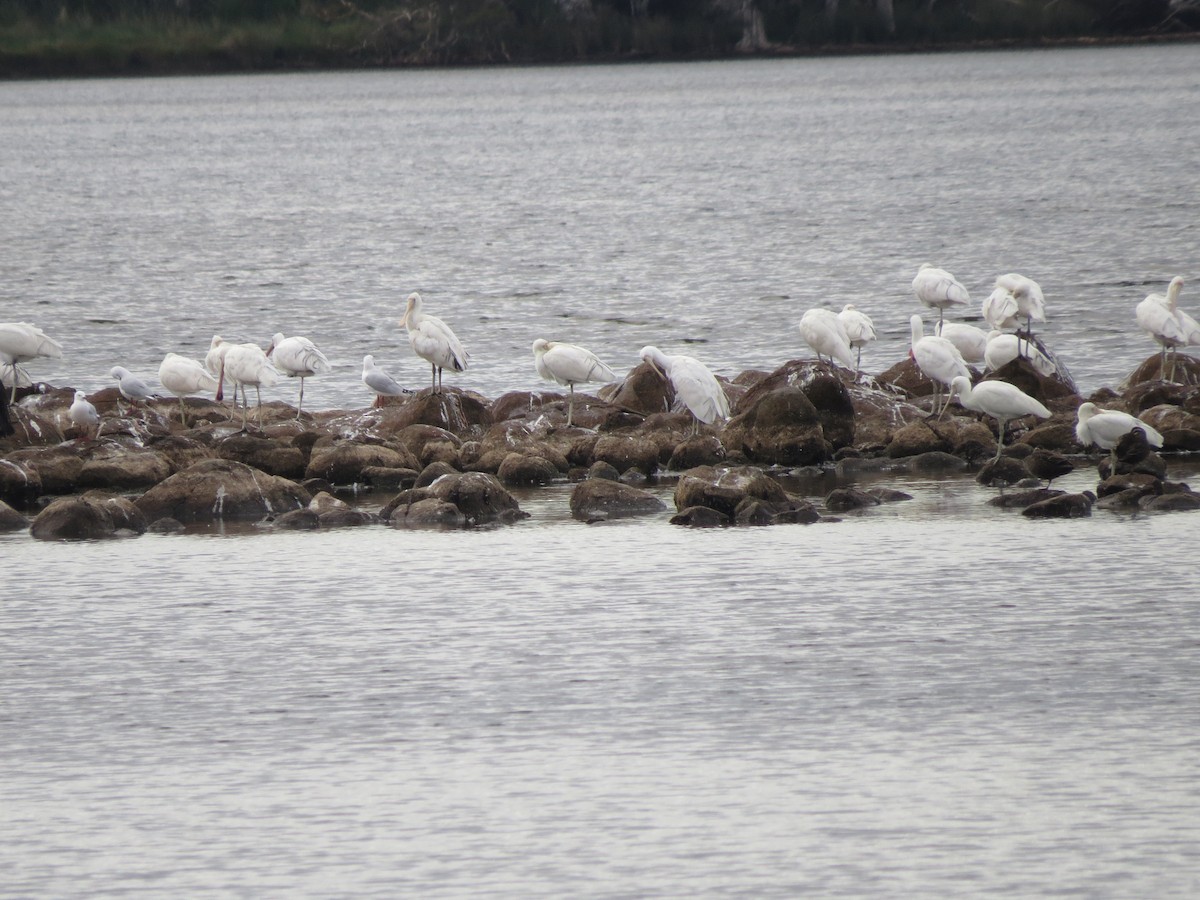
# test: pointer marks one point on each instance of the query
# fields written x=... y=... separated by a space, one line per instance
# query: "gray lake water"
x=934 y=698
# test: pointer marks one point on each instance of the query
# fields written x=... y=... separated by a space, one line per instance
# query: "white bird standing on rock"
x=83 y=414
x=998 y=399
x=970 y=341
x=248 y=364
x=824 y=332
x=860 y=330
x=433 y=341
x=693 y=383
x=297 y=357
x=938 y=289
x=21 y=342
x=1106 y=427
x=1160 y=316
x=214 y=362
x=1003 y=348
x=131 y=387
x=1027 y=295
x=938 y=360
x=570 y=365
x=183 y=377
x=379 y=381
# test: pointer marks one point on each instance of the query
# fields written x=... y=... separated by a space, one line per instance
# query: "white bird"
x=938 y=360
x=570 y=365
x=182 y=377
x=1106 y=427
x=824 y=332
x=297 y=357
x=998 y=399
x=214 y=362
x=970 y=341
x=1003 y=348
x=693 y=383
x=83 y=414
x=433 y=341
x=383 y=384
x=938 y=289
x=248 y=364
x=1160 y=317
x=21 y=342
x=131 y=387
x=860 y=330
x=1014 y=300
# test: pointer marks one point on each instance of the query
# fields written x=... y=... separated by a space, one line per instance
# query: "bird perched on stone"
x=1048 y=465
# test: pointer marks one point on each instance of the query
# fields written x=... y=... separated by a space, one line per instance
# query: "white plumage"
x=83 y=414
x=433 y=341
x=1160 y=316
x=937 y=358
x=938 y=289
x=1003 y=348
x=1106 y=427
x=970 y=341
x=824 y=332
x=860 y=330
x=998 y=399
x=214 y=362
x=183 y=377
x=131 y=387
x=297 y=357
x=21 y=342
x=569 y=364
x=1031 y=304
x=693 y=384
x=379 y=381
x=248 y=364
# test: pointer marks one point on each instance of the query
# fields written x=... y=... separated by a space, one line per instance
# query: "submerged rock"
x=10 y=519
x=598 y=499
x=1062 y=506
x=73 y=519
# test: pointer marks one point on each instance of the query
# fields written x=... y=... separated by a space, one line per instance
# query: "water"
x=931 y=698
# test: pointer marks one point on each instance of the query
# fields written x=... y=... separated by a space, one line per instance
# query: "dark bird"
x=6 y=427
x=1132 y=448
x=1048 y=465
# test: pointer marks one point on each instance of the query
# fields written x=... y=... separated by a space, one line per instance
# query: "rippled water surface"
x=934 y=698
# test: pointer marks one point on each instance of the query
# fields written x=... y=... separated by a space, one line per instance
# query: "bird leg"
x=258 y=395
x=300 y=404
x=570 y=402
x=183 y=413
x=858 y=364
x=1000 y=439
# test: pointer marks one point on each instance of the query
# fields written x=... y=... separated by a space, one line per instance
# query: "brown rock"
x=915 y=439
x=344 y=462
x=520 y=469
x=701 y=517
x=73 y=519
x=20 y=484
x=10 y=519
x=624 y=452
x=480 y=497
x=221 y=489
x=271 y=455
x=428 y=513
x=782 y=428
x=125 y=471
x=597 y=499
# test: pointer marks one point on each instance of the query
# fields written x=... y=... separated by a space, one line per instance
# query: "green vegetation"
x=95 y=37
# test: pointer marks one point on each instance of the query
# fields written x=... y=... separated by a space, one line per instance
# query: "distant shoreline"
x=213 y=61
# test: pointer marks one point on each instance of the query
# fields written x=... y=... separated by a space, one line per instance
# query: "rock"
x=183 y=450
x=624 y=452
x=266 y=454
x=1056 y=436
x=888 y=495
x=432 y=473
x=1063 y=506
x=700 y=517
x=453 y=410
x=343 y=463
x=20 y=485
x=698 y=450
x=643 y=391
x=914 y=440
x=323 y=501
x=598 y=499
x=57 y=468
x=1002 y=472
x=428 y=513
x=519 y=469
x=782 y=428
x=381 y=478
x=936 y=461
x=1020 y=373
x=752 y=511
x=724 y=489
x=603 y=470
x=1141 y=482
x=125 y=471
x=843 y=499
x=166 y=525
x=125 y=515
x=428 y=443
x=299 y=520
x=480 y=497
x=347 y=518
x=1181 y=440
x=1121 y=500
x=73 y=519
x=1170 y=502
x=1022 y=499
x=10 y=519
x=221 y=489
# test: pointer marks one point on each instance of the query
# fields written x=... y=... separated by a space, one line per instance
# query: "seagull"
x=860 y=330
x=247 y=364
x=998 y=399
x=182 y=377
x=1160 y=316
x=938 y=289
x=570 y=365
x=938 y=360
x=693 y=383
x=21 y=342
x=297 y=357
x=970 y=341
x=383 y=384
x=131 y=387
x=1003 y=348
x=433 y=341
x=1106 y=427
x=83 y=414
x=824 y=332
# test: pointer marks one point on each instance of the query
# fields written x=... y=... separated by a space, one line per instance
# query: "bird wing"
x=571 y=364
x=382 y=383
x=1155 y=318
x=699 y=389
x=1000 y=308
x=937 y=287
x=434 y=341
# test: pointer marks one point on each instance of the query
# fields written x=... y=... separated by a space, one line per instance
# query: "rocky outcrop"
x=124 y=470
x=599 y=499
x=73 y=519
x=20 y=484
x=10 y=519
x=344 y=462
x=219 y=489
x=782 y=428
